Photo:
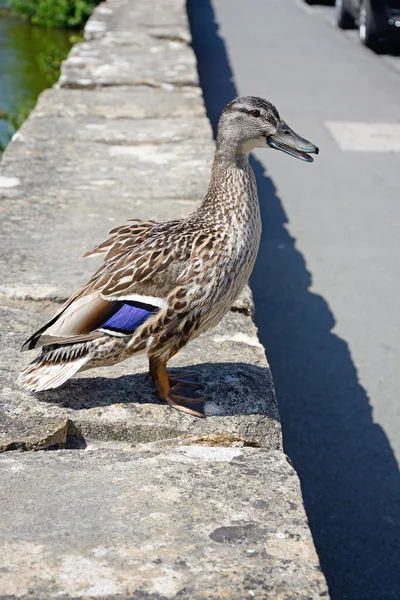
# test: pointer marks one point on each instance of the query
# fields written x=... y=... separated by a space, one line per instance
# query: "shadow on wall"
x=235 y=387
x=349 y=475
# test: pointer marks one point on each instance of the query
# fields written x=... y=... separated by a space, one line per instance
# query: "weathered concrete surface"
x=164 y=18
x=172 y=506
x=111 y=62
x=189 y=522
x=157 y=170
x=32 y=434
x=122 y=102
x=123 y=131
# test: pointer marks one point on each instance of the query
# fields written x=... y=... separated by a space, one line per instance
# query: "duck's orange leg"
x=158 y=373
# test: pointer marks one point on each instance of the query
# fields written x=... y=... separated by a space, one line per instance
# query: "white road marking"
x=352 y=136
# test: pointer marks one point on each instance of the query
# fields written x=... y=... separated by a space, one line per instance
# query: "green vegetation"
x=49 y=62
x=14 y=121
x=55 y=13
x=31 y=60
x=36 y=45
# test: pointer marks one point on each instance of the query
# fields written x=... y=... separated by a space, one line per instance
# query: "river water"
x=29 y=63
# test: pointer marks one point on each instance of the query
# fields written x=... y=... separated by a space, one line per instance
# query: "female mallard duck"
x=162 y=284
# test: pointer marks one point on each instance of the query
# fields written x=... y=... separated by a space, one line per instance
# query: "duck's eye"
x=255 y=113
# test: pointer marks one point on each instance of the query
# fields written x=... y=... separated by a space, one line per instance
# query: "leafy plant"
x=49 y=62
x=14 y=121
x=16 y=118
x=55 y=13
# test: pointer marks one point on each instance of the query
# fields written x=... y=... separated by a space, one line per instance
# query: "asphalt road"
x=327 y=281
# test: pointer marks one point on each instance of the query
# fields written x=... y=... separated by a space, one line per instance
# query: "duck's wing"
x=138 y=273
x=123 y=235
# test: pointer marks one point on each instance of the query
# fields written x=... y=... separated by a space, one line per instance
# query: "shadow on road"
x=348 y=472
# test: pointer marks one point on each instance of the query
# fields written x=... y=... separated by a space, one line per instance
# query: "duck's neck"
x=230 y=151
x=232 y=192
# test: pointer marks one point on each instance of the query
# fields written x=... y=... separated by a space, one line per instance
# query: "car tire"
x=367 y=27
x=343 y=17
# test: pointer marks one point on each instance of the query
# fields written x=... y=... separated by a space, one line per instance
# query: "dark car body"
x=386 y=15
x=377 y=19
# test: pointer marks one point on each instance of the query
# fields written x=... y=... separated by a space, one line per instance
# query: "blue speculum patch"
x=129 y=316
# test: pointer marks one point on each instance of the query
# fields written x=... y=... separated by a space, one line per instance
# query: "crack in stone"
x=75 y=85
x=171 y=38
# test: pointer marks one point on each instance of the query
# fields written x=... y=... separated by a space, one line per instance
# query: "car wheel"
x=367 y=27
x=343 y=17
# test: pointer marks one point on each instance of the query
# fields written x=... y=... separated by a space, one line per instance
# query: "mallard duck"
x=163 y=284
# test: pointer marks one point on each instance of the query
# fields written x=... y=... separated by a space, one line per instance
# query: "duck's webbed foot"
x=168 y=386
x=184 y=379
x=181 y=403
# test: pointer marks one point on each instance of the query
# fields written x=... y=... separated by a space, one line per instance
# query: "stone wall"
x=135 y=500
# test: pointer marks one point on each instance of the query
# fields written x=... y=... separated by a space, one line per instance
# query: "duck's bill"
x=286 y=140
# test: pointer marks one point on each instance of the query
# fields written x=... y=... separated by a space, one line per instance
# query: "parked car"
x=377 y=20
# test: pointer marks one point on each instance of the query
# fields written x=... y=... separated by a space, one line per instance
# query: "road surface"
x=327 y=281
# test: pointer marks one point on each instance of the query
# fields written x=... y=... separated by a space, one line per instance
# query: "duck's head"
x=250 y=122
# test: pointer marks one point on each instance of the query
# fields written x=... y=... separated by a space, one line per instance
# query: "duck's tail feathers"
x=53 y=367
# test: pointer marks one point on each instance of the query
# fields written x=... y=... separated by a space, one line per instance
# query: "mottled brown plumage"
x=163 y=284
